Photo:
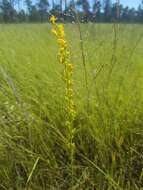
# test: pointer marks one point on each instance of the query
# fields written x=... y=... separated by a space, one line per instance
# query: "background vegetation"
x=109 y=113
x=93 y=11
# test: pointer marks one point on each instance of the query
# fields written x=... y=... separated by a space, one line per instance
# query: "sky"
x=131 y=3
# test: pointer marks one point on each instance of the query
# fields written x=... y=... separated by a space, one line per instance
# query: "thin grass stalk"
x=115 y=41
x=83 y=56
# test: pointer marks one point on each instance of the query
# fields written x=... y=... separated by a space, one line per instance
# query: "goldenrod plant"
x=64 y=59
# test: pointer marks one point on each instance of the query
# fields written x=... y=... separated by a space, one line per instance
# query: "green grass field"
x=109 y=111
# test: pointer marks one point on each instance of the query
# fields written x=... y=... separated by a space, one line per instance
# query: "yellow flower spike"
x=64 y=59
x=62 y=42
x=54 y=32
x=61 y=30
x=53 y=19
x=70 y=67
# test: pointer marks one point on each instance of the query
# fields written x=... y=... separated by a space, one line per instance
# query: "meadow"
x=108 y=97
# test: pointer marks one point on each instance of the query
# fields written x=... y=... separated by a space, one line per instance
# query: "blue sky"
x=131 y=3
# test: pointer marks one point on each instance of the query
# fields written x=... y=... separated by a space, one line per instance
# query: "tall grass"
x=108 y=139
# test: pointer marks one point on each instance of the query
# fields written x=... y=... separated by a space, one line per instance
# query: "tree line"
x=12 y=11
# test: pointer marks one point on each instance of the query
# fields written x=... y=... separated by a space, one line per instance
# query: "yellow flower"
x=62 y=42
x=70 y=67
x=54 y=32
x=61 y=30
x=53 y=19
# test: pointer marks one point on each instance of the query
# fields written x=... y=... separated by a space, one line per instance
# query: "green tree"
x=9 y=14
x=43 y=6
x=17 y=3
x=140 y=12
x=29 y=6
x=84 y=4
x=116 y=12
x=96 y=9
x=34 y=14
x=125 y=15
x=107 y=5
x=22 y=16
